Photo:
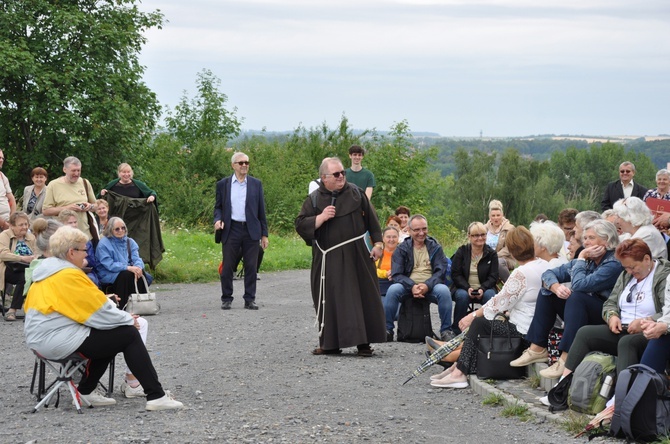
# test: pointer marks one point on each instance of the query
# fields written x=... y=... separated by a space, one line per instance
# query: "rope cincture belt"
x=322 y=283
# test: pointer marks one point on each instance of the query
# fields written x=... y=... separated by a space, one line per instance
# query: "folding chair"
x=65 y=369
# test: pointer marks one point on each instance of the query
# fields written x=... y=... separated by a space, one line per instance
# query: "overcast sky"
x=503 y=67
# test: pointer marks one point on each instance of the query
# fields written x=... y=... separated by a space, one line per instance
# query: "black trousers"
x=102 y=346
x=239 y=241
x=18 y=278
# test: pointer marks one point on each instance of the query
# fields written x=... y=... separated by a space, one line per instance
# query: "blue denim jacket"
x=585 y=276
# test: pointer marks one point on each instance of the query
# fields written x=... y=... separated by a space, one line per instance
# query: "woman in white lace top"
x=517 y=299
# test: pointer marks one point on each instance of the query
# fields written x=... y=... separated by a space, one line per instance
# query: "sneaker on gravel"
x=95 y=399
x=167 y=402
x=132 y=392
x=450 y=381
x=529 y=357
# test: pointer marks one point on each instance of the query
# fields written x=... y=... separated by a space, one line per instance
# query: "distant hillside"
x=541 y=147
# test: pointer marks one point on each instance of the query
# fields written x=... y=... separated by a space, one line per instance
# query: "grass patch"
x=490 y=381
x=192 y=256
x=518 y=410
x=534 y=380
x=575 y=422
x=494 y=399
x=662 y=440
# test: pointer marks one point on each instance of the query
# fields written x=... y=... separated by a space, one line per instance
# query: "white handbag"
x=143 y=304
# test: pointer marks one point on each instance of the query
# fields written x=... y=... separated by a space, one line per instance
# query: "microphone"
x=333 y=198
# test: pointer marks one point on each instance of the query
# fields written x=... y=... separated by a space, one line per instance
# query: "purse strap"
x=505 y=321
x=130 y=258
x=146 y=285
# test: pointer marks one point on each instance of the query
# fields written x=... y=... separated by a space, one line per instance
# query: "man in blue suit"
x=240 y=212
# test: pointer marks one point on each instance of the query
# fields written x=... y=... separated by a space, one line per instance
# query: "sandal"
x=10 y=316
x=321 y=351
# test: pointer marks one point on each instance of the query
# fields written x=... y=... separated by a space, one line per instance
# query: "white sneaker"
x=95 y=399
x=443 y=374
x=132 y=392
x=167 y=402
x=545 y=401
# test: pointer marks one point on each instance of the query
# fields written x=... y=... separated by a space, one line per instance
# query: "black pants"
x=102 y=346
x=239 y=240
x=124 y=285
x=18 y=278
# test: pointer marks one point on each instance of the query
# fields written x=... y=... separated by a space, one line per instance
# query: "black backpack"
x=414 y=322
x=642 y=406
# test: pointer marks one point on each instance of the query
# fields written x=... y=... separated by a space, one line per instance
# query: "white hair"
x=548 y=235
x=633 y=210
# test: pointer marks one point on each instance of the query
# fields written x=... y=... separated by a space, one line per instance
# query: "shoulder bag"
x=92 y=221
x=495 y=352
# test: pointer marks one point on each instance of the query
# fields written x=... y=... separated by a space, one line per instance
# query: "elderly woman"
x=474 y=271
x=125 y=185
x=33 y=195
x=592 y=276
x=390 y=237
x=67 y=313
x=395 y=222
x=68 y=217
x=102 y=212
x=662 y=190
x=497 y=228
x=17 y=250
x=638 y=294
x=634 y=219
x=549 y=239
x=119 y=263
x=517 y=298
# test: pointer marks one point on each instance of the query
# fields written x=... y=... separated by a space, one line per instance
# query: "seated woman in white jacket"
x=517 y=297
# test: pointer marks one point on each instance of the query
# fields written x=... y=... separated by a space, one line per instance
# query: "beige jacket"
x=7 y=246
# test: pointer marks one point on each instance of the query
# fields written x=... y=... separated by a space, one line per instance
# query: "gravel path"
x=248 y=376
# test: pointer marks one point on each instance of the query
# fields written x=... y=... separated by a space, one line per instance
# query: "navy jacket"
x=254 y=209
x=402 y=263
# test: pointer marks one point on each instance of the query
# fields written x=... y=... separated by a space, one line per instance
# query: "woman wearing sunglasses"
x=474 y=270
x=119 y=261
x=638 y=295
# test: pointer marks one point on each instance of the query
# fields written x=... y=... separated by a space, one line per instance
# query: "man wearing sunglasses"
x=240 y=213
x=344 y=282
x=624 y=187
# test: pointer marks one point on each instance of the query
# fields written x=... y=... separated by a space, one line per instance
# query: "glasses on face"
x=478 y=235
x=419 y=230
x=244 y=162
x=625 y=171
x=79 y=249
x=119 y=229
x=337 y=174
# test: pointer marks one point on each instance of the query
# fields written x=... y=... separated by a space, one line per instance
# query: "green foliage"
x=494 y=399
x=519 y=410
x=71 y=85
x=205 y=117
x=192 y=256
x=574 y=422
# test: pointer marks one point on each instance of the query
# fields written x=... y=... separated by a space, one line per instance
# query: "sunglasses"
x=625 y=171
x=337 y=174
x=629 y=298
x=118 y=229
x=244 y=162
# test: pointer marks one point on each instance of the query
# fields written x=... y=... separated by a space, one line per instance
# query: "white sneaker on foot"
x=167 y=402
x=451 y=382
x=545 y=401
x=443 y=374
x=132 y=392
x=529 y=357
x=95 y=399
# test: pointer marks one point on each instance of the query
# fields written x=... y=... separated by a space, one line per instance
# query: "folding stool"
x=65 y=369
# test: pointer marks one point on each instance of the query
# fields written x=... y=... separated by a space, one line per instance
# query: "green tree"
x=71 y=84
x=205 y=117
